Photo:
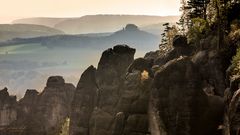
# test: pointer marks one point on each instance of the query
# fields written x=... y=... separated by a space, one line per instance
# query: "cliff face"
x=84 y=102
x=178 y=92
x=8 y=108
x=184 y=108
x=105 y=95
x=54 y=104
x=122 y=97
x=231 y=98
x=27 y=103
x=44 y=113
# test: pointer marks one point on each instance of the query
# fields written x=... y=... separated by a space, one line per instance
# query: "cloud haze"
x=11 y=9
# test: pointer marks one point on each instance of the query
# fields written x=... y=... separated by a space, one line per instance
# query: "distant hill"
x=10 y=31
x=50 y=22
x=130 y=35
x=97 y=23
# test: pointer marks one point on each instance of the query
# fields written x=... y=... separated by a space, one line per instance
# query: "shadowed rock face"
x=107 y=102
x=111 y=72
x=179 y=119
x=232 y=98
x=184 y=108
x=176 y=94
x=132 y=107
x=110 y=75
x=8 y=108
x=44 y=113
x=113 y=64
x=27 y=104
x=188 y=91
x=212 y=67
x=180 y=95
x=54 y=104
x=84 y=102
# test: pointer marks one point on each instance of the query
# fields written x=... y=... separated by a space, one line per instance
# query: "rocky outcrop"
x=123 y=96
x=171 y=93
x=141 y=64
x=183 y=108
x=131 y=27
x=231 y=98
x=8 y=108
x=109 y=102
x=44 y=113
x=132 y=108
x=53 y=105
x=165 y=53
x=110 y=75
x=55 y=81
x=188 y=91
x=212 y=67
x=84 y=102
x=27 y=104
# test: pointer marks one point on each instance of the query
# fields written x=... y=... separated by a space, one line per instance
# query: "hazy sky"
x=12 y=9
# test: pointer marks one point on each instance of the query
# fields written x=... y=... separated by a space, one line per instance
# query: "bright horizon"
x=12 y=9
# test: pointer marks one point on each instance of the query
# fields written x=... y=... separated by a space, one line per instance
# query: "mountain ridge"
x=105 y=23
x=10 y=31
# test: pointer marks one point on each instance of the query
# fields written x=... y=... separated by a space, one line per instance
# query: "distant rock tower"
x=131 y=27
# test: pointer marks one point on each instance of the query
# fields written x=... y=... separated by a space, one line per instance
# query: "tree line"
x=200 y=17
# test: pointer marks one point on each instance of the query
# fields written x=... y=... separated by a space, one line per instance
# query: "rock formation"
x=109 y=102
x=231 y=98
x=54 y=104
x=84 y=102
x=184 y=108
x=8 y=109
x=122 y=96
x=39 y=114
x=178 y=92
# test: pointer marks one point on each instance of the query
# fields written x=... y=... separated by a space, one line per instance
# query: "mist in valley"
x=26 y=63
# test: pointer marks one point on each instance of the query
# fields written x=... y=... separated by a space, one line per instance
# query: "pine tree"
x=184 y=20
x=168 y=35
x=198 y=8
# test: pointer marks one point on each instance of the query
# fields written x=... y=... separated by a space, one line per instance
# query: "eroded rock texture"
x=180 y=104
x=232 y=114
x=84 y=102
x=8 y=109
x=188 y=91
x=124 y=97
x=54 y=104
x=108 y=101
x=172 y=93
x=44 y=113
